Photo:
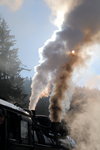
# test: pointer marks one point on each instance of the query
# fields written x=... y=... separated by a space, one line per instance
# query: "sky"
x=31 y=23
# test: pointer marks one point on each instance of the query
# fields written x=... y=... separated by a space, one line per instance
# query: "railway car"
x=23 y=130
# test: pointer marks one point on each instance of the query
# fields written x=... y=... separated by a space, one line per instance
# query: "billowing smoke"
x=94 y=82
x=84 y=120
x=59 y=8
x=12 y=4
x=66 y=51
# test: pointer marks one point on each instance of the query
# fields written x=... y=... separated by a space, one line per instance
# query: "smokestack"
x=66 y=51
x=33 y=112
x=33 y=116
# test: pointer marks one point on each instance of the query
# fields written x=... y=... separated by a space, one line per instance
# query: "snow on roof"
x=5 y=103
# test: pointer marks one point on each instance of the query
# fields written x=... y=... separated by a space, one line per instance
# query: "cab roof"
x=12 y=106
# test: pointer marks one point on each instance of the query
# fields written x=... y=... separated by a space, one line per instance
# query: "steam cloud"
x=94 y=82
x=80 y=29
x=12 y=4
x=84 y=120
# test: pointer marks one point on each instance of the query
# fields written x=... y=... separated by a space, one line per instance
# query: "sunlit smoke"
x=83 y=119
x=14 y=5
x=80 y=29
x=45 y=92
x=59 y=8
x=73 y=52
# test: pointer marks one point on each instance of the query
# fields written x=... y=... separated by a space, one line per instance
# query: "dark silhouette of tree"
x=10 y=80
x=27 y=91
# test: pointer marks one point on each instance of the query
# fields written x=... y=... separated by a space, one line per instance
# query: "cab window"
x=13 y=127
x=24 y=131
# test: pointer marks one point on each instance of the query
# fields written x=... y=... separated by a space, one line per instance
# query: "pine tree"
x=10 y=79
x=27 y=91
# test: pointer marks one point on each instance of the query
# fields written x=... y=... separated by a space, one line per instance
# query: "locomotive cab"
x=23 y=130
x=15 y=129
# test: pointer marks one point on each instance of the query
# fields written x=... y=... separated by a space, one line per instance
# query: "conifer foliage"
x=10 y=66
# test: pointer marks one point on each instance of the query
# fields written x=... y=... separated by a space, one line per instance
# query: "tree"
x=27 y=91
x=10 y=66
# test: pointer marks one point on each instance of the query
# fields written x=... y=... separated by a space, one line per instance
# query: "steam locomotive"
x=23 y=130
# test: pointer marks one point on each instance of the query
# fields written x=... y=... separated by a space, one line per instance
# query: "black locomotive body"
x=22 y=130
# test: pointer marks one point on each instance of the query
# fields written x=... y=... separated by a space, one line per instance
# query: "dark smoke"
x=80 y=29
x=83 y=119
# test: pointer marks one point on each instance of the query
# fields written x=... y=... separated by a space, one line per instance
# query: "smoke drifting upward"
x=84 y=120
x=60 y=87
x=79 y=30
x=12 y=4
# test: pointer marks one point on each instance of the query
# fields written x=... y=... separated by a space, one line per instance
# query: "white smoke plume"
x=59 y=57
x=59 y=8
x=93 y=82
x=12 y=4
x=84 y=120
